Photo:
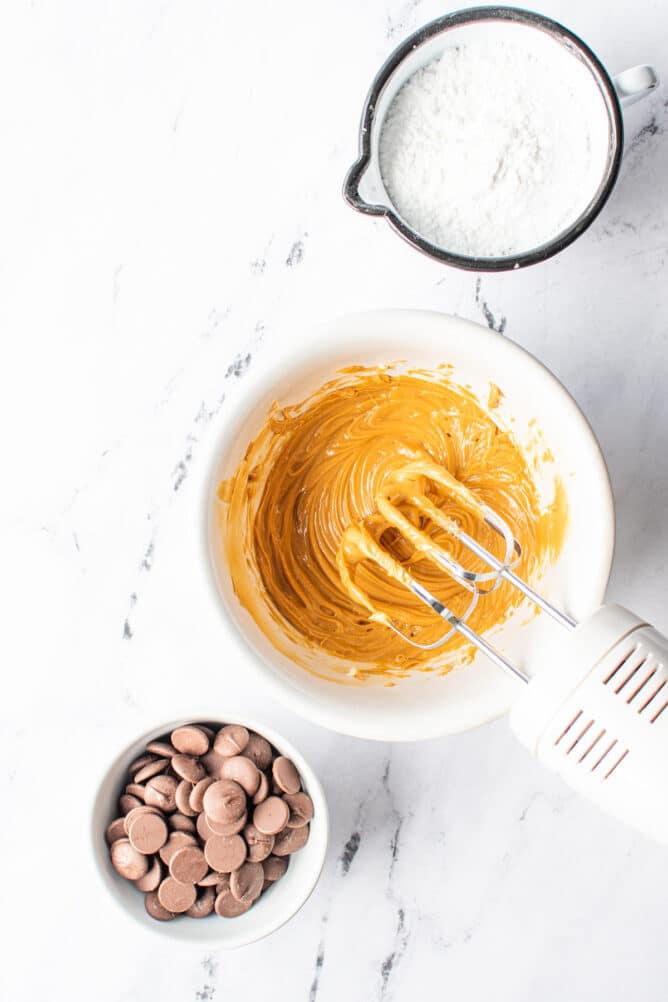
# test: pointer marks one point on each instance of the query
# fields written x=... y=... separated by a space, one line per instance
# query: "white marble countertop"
x=171 y=203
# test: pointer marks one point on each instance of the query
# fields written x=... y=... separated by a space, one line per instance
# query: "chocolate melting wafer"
x=208 y=818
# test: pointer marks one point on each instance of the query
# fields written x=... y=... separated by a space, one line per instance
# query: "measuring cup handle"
x=635 y=83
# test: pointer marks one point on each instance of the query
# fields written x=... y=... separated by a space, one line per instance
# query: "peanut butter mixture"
x=318 y=468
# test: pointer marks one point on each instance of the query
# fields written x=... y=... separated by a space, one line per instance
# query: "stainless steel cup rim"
x=441 y=25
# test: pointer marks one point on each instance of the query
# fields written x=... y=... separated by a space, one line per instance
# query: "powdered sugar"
x=495 y=147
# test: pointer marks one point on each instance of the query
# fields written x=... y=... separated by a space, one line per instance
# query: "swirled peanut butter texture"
x=319 y=467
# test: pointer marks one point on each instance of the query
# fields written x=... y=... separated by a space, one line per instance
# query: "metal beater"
x=595 y=713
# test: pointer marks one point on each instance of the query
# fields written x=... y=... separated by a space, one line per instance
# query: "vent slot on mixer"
x=577 y=740
x=609 y=765
x=626 y=670
x=651 y=698
x=567 y=729
x=593 y=743
x=648 y=677
x=636 y=671
x=658 y=712
x=631 y=675
x=618 y=762
x=604 y=755
x=618 y=667
x=575 y=736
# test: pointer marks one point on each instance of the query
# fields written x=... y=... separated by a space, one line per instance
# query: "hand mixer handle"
x=597 y=714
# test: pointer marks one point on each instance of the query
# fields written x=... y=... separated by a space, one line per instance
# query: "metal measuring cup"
x=364 y=189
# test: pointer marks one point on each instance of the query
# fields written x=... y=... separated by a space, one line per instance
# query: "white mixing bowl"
x=541 y=415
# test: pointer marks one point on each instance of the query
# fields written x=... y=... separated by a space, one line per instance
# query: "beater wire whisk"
x=408 y=488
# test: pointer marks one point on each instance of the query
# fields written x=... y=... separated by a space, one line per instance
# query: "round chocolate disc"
x=242 y=771
x=204 y=829
x=188 y=864
x=175 y=842
x=197 y=793
x=258 y=750
x=139 y=763
x=155 y=909
x=128 y=861
x=127 y=803
x=136 y=812
x=136 y=790
x=262 y=790
x=188 y=768
x=213 y=763
x=224 y=883
x=151 y=878
x=210 y=879
x=301 y=809
x=160 y=791
x=224 y=801
x=227 y=829
x=274 y=867
x=271 y=815
x=285 y=775
x=161 y=748
x=180 y=823
x=175 y=896
x=182 y=798
x=204 y=904
x=290 y=840
x=147 y=833
x=151 y=769
x=225 y=853
x=259 y=844
x=115 y=830
x=228 y=906
x=246 y=882
x=190 y=740
x=231 y=740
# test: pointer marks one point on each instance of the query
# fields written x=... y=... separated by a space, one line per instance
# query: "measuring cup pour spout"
x=362 y=191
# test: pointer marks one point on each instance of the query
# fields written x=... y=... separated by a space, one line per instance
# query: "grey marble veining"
x=172 y=206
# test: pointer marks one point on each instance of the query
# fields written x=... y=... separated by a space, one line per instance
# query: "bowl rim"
x=314 y=343
x=440 y=25
x=100 y=850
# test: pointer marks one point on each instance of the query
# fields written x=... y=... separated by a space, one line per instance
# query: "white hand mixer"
x=595 y=713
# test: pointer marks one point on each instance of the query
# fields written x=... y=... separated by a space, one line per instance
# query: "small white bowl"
x=546 y=422
x=274 y=908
